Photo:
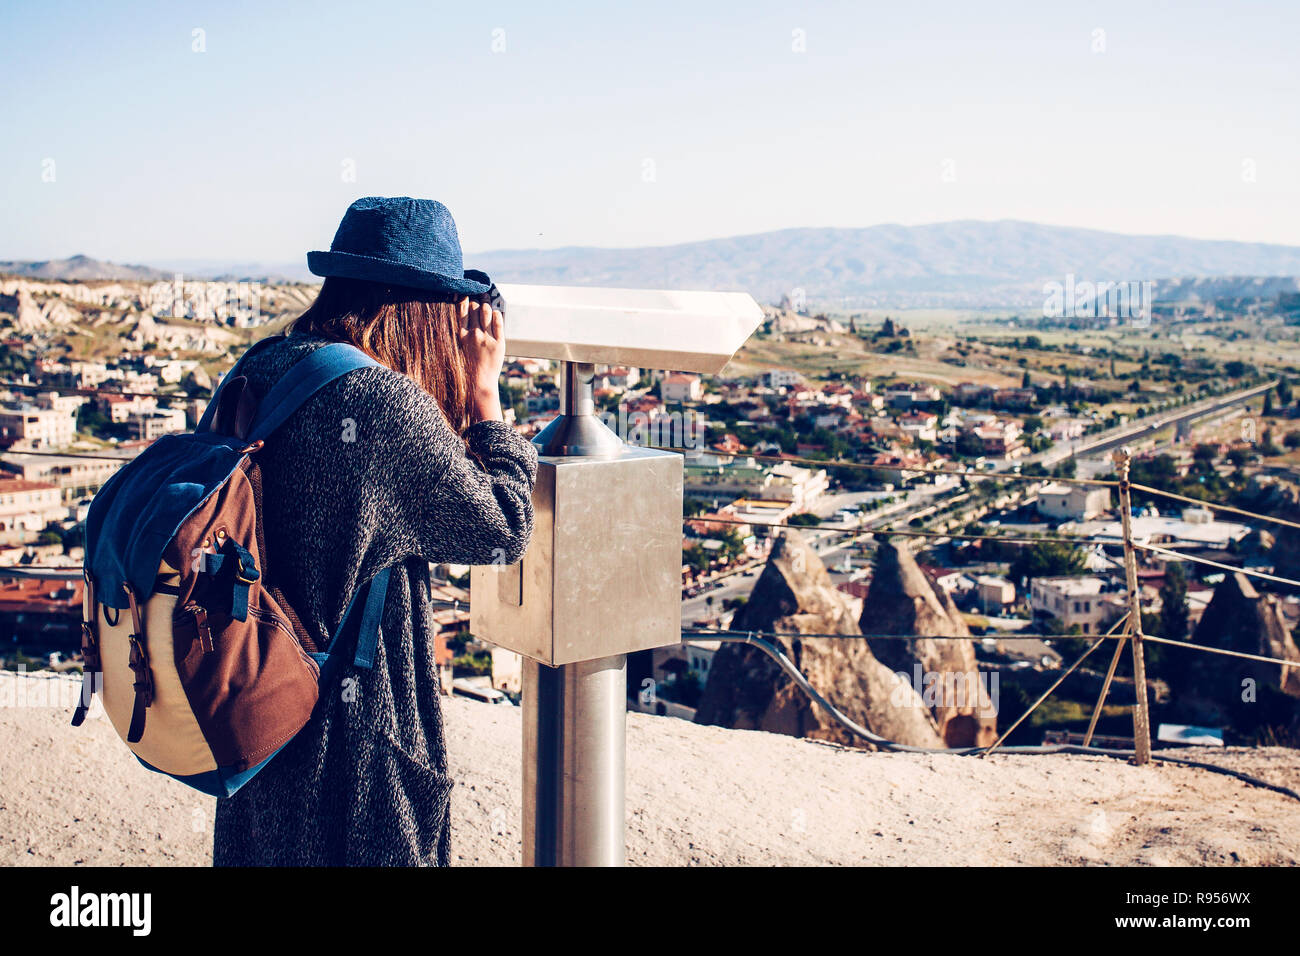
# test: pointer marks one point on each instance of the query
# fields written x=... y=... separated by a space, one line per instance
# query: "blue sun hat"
x=400 y=241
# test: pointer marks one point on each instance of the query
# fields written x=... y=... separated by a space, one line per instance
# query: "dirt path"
x=699 y=795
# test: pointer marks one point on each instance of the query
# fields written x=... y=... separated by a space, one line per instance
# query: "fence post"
x=1123 y=458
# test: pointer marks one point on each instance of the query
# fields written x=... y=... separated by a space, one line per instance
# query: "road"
x=834 y=547
x=1104 y=441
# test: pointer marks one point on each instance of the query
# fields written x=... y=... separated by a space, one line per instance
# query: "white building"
x=680 y=387
x=88 y=374
x=76 y=478
x=1073 y=502
x=798 y=485
x=29 y=428
x=907 y=394
x=919 y=426
x=781 y=378
x=120 y=408
x=61 y=403
x=1196 y=528
x=26 y=507
x=1069 y=429
x=507 y=670
x=619 y=378
x=994 y=593
x=1082 y=601
x=152 y=425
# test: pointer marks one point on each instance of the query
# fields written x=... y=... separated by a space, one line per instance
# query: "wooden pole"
x=1123 y=458
x=1110 y=676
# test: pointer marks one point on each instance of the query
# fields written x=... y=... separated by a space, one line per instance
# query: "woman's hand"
x=483 y=341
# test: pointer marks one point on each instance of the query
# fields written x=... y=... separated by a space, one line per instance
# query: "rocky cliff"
x=746 y=689
x=1271 y=495
x=903 y=599
x=1257 y=700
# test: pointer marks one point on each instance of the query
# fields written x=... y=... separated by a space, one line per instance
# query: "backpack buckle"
x=89 y=648
x=140 y=667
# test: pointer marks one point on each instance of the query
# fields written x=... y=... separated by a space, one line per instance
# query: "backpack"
x=198 y=658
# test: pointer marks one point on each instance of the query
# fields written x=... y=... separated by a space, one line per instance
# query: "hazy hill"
x=1211 y=288
x=79 y=268
x=957 y=264
x=964 y=263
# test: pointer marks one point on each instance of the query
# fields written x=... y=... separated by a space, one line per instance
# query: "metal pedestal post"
x=601 y=576
x=575 y=719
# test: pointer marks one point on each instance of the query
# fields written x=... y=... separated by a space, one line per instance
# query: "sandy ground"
x=697 y=795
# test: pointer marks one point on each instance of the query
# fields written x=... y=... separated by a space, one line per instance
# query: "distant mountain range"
x=959 y=264
x=965 y=264
x=79 y=269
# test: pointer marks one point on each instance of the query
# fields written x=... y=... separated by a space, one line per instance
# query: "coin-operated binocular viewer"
x=602 y=573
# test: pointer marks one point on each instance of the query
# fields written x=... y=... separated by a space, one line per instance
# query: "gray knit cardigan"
x=369 y=474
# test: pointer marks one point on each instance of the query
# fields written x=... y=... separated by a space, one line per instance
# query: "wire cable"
x=123 y=459
x=1055 y=684
x=1226 y=652
x=893 y=746
x=95 y=392
x=918 y=469
x=896 y=532
x=1215 y=564
x=1214 y=506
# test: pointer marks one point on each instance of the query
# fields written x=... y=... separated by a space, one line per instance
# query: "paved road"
x=1099 y=444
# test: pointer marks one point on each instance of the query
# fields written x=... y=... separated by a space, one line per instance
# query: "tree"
x=969 y=445
x=1026 y=381
x=733 y=545
x=1268 y=404
x=697 y=558
x=1066 y=469
x=1173 y=604
x=1048 y=559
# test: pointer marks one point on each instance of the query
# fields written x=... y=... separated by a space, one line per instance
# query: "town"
x=895 y=452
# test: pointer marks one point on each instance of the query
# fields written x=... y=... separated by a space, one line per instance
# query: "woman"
x=401 y=465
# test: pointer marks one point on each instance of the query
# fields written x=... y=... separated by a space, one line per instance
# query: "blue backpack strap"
x=304 y=378
x=369 y=598
x=371 y=618
x=209 y=413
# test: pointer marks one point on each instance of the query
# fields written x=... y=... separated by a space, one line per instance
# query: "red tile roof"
x=11 y=485
x=35 y=594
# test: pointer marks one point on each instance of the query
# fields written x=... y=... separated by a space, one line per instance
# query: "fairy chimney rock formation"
x=1253 y=697
x=746 y=689
x=904 y=600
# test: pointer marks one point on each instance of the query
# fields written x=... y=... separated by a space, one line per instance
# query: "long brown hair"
x=412 y=331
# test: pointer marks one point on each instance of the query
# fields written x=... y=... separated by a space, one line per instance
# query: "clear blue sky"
x=237 y=153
